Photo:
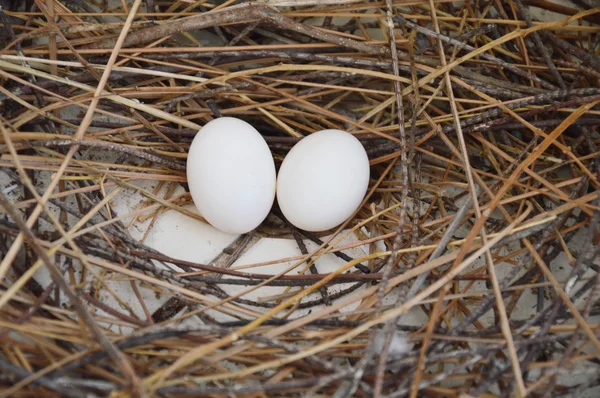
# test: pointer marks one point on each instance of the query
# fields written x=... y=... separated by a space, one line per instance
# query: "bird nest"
x=470 y=269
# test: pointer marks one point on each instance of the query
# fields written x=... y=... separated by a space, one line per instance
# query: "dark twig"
x=237 y=14
x=388 y=330
x=540 y=46
x=313 y=267
x=45 y=381
x=465 y=46
x=112 y=147
x=564 y=45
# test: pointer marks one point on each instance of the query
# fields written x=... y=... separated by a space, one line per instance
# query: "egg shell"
x=231 y=175
x=323 y=180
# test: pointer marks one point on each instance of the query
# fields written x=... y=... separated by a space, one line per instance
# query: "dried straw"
x=481 y=124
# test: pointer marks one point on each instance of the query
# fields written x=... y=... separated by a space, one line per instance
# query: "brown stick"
x=238 y=14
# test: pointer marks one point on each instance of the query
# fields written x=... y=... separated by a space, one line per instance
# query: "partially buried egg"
x=323 y=180
x=231 y=175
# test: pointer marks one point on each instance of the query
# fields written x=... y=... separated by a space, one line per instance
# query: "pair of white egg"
x=232 y=179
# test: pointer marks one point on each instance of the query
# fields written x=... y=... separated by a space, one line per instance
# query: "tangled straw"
x=481 y=124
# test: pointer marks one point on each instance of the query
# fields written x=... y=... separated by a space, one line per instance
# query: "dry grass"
x=481 y=124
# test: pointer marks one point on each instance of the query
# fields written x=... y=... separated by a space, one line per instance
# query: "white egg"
x=231 y=175
x=323 y=180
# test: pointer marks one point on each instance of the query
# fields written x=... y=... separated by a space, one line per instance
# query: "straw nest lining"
x=482 y=215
